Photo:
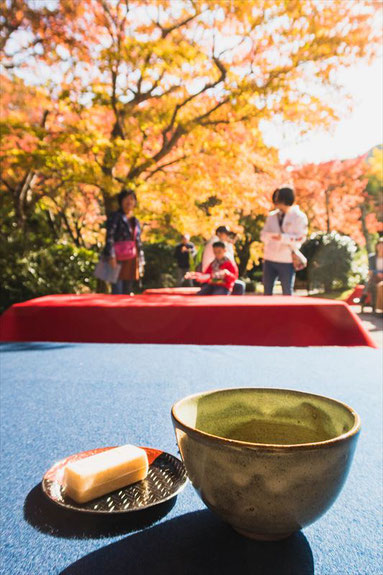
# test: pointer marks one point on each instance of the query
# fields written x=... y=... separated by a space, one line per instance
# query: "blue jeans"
x=273 y=270
x=209 y=289
x=122 y=287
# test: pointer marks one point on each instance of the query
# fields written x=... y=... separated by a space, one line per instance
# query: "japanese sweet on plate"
x=94 y=476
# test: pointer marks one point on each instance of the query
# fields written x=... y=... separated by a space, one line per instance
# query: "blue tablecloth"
x=58 y=399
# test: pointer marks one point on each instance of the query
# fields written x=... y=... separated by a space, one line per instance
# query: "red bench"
x=236 y=320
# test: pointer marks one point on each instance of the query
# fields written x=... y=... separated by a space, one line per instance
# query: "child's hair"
x=219 y=245
x=222 y=230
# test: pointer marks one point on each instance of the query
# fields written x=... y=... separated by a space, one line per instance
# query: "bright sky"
x=356 y=133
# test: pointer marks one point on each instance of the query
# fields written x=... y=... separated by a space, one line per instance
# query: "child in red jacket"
x=220 y=275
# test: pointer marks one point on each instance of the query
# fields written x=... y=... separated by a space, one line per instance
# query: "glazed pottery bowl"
x=267 y=461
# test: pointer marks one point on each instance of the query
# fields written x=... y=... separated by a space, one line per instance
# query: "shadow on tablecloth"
x=47 y=517
x=32 y=346
x=196 y=544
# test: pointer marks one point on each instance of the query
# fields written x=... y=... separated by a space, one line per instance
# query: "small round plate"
x=166 y=478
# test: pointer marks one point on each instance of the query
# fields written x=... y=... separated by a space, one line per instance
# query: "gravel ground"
x=373 y=323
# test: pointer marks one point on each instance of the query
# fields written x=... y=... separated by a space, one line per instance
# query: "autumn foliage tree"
x=131 y=82
x=334 y=195
x=168 y=98
x=373 y=204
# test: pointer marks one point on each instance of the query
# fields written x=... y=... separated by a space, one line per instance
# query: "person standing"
x=284 y=232
x=123 y=243
x=375 y=276
x=183 y=252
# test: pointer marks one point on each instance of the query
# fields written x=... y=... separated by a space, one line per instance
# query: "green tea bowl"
x=267 y=461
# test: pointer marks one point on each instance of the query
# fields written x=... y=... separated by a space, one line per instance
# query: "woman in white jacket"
x=285 y=230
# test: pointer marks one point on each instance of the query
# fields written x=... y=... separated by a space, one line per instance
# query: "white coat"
x=294 y=233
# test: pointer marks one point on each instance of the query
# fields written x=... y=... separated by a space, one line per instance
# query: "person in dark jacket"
x=183 y=252
x=375 y=277
x=123 y=243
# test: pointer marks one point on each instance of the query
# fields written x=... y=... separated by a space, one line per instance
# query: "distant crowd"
x=216 y=270
x=284 y=232
x=213 y=266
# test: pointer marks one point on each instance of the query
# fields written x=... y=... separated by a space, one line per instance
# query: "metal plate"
x=166 y=478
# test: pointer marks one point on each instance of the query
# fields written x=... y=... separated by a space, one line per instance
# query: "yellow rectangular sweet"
x=105 y=472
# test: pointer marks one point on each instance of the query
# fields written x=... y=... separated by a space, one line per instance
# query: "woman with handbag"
x=123 y=243
x=284 y=232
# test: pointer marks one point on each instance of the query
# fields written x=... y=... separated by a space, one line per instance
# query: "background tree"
x=333 y=195
x=330 y=261
x=156 y=72
x=372 y=207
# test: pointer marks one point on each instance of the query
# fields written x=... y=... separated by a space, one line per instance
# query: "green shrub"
x=359 y=268
x=160 y=268
x=256 y=275
x=330 y=261
x=250 y=286
x=57 y=268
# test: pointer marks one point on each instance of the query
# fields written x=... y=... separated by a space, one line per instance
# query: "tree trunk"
x=327 y=197
x=52 y=224
x=108 y=164
x=110 y=203
x=243 y=253
x=363 y=213
x=20 y=196
x=244 y=259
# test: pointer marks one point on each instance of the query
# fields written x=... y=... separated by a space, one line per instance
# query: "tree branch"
x=168 y=143
x=164 y=151
x=208 y=86
x=6 y=184
x=199 y=119
x=166 y=31
x=160 y=168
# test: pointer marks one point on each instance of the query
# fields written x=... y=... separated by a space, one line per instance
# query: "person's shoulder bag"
x=127 y=249
x=105 y=272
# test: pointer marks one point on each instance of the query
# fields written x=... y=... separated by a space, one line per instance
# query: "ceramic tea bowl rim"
x=210 y=438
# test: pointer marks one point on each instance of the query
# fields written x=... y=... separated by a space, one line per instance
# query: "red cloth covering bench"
x=220 y=320
x=172 y=291
x=355 y=296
